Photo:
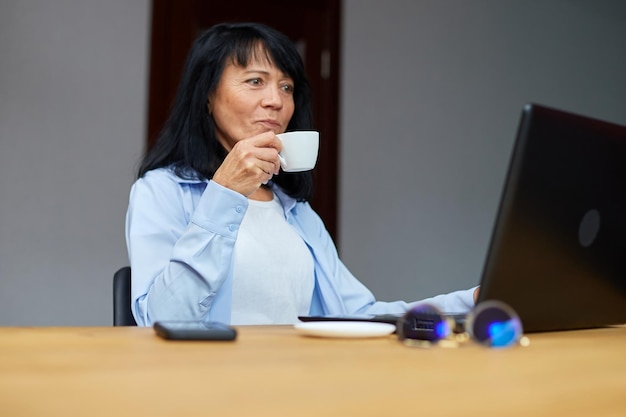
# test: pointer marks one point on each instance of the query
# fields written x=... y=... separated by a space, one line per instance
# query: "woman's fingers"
x=250 y=163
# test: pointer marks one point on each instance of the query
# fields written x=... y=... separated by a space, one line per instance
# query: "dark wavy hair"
x=188 y=141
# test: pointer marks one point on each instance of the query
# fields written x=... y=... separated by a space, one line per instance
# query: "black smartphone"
x=194 y=330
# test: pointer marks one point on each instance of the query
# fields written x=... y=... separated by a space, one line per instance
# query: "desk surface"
x=272 y=371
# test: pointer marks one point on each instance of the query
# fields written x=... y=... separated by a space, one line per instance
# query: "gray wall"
x=431 y=94
x=72 y=119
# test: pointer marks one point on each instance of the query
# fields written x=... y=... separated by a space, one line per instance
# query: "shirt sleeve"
x=456 y=302
x=180 y=250
x=461 y=301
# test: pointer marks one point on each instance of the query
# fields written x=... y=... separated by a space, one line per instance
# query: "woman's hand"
x=251 y=163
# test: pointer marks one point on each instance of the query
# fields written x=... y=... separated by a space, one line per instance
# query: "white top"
x=272 y=270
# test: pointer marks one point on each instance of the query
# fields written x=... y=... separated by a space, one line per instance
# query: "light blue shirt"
x=181 y=235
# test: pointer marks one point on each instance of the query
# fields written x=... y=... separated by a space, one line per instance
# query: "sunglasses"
x=491 y=323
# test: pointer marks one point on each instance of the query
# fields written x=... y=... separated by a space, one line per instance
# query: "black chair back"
x=122 y=316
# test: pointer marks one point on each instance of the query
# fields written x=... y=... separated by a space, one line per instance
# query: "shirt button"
x=232 y=227
x=238 y=209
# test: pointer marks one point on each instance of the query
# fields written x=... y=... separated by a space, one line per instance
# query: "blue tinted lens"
x=494 y=323
x=423 y=322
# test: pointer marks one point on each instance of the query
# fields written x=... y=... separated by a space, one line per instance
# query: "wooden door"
x=312 y=24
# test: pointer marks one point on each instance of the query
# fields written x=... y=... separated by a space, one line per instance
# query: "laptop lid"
x=558 y=250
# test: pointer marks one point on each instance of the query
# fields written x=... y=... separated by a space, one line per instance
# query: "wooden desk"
x=271 y=371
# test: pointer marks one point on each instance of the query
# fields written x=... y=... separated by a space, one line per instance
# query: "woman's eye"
x=287 y=88
x=255 y=81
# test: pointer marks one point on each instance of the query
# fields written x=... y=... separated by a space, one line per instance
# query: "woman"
x=215 y=230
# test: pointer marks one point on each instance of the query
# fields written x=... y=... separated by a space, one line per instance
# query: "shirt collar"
x=288 y=202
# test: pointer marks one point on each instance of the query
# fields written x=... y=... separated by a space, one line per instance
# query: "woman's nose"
x=272 y=98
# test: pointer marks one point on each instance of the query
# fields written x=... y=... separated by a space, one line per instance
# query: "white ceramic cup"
x=299 y=151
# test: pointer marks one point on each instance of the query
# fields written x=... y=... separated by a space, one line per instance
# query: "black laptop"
x=558 y=250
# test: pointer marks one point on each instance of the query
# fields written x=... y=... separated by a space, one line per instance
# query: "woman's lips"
x=270 y=124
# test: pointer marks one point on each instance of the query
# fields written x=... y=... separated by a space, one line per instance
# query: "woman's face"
x=251 y=100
